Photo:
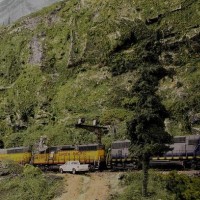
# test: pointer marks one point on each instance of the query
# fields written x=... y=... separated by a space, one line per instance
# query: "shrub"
x=31 y=184
x=183 y=186
x=133 y=187
x=10 y=167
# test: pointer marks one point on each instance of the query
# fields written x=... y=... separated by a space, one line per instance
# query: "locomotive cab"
x=120 y=149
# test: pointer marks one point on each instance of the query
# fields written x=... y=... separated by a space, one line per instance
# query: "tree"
x=147 y=129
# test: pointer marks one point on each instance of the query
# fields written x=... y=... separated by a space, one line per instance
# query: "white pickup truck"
x=74 y=166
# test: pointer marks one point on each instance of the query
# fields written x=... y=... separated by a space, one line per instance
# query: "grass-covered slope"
x=80 y=59
x=28 y=182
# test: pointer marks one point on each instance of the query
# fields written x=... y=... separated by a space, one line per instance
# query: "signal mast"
x=95 y=128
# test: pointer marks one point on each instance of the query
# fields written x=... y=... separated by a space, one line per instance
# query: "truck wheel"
x=91 y=168
x=61 y=171
x=73 y=171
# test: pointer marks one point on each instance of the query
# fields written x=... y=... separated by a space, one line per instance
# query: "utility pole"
x=95 y=128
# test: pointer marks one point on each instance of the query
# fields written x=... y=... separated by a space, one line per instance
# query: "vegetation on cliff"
x=81 y=58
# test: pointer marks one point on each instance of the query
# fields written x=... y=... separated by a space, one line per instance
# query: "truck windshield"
x=74 y=163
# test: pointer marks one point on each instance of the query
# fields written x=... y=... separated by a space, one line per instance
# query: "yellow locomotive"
x=20 y=155
x=51 y=158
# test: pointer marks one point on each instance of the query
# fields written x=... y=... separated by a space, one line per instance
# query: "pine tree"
x=147 y=129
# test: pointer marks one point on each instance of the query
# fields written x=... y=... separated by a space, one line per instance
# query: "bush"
x=10 y=167
x=31 y=184
x=30 y=171
x=171 y=186
x=183 y=186
x=133 y=187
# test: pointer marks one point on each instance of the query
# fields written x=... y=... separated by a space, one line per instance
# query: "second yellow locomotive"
x=93 y=154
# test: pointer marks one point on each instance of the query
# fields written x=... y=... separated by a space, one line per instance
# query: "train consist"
x=185 y=151
x=53 y=157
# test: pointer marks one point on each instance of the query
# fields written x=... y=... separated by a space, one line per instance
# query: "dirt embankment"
x=93 y=186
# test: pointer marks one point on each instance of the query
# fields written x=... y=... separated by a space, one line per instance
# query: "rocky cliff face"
x=81 y=58
x=11 y=10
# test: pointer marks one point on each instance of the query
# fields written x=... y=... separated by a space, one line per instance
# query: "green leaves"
x=29 y=184
x=31 y=171
x=183 y=186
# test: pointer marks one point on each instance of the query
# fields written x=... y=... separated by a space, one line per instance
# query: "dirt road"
x=92 y=186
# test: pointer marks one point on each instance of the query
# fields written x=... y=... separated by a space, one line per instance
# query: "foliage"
x=146 y=129
x=184 y=102
x=133 y=188
x=168 y=186
x=88 y=51
x=30 y=171
x=10 y=167
x=182 y=186
x=31 y=184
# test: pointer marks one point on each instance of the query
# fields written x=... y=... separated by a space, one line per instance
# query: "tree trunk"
x=145 y=168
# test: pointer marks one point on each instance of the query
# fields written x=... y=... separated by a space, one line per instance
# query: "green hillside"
x=81 y=58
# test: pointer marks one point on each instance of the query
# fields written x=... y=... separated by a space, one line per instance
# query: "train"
x=119 y=156
x=52 y=157
x=20 y=155
x=184 y=151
